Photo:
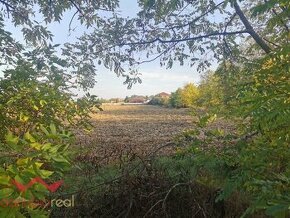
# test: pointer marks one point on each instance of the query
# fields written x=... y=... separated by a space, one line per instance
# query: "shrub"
x=157 y=100
x=256 y=159
x=43 y=154
x=184 y=97
x=35 y=113
x=26 y=102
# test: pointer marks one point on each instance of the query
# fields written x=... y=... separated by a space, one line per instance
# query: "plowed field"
x=138 y=129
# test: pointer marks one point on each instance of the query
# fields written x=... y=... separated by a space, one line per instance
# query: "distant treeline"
x=210 y=93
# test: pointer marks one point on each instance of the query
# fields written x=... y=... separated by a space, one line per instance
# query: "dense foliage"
x=43 y=153
x=37 y=110
x=158 y=100
x=254 y=159
x=35 y=116
x=211 y=91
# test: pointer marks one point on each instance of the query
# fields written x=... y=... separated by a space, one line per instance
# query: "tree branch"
x=225 y=30
x=197 y=18
x=71 y=20
x=267 y=40
x=184 y=39
x=7 y=4
x=77 y=7
x=250 y=28
x=158 y=56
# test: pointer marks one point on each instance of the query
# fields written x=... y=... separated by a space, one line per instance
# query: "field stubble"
x=121 y=130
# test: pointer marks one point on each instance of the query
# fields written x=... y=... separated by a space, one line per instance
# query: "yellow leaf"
x=22 y=161
x=38 y=164
x=42 y=102
x=29 y=137
x=35 y=107
x=33 y=205
x=23 y=117
x=36 y=145
x=5 y=180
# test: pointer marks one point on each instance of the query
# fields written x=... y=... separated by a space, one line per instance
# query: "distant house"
x=163 y=95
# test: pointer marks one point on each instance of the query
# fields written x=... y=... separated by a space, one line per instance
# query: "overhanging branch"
x=197 y=18
x=8 y=6
x=250 y=28
x=77 y=7
x=184 y=39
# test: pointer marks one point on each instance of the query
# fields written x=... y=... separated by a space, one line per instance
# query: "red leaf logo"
x=52 y=187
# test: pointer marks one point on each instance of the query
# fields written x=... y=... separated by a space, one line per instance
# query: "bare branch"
x=184 y=39
x=267 y=40
x=158 y=56
x=168 y=193
x=151 y=208
x=69 y=26
x=225 y=30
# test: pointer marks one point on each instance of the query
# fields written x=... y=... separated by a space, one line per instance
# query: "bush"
x=211 y=92
x=35 y=113
x=148 y=188
x=26 y=102
x=43 y=154
x=254 y=159
x=175 y=99
x=157 y=100
x=184 y=97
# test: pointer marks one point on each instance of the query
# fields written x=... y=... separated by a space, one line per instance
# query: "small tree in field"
x=211 y=91
x=189 y=95
x=184 y=97
x=175 y=99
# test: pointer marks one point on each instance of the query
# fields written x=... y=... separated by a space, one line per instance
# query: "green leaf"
x=6 y=192
x=22 y=161
x=43 y=129
x=47 y=146
x=35 y=107
x=53 y=129
x=45 y=173
x=29 y=137
x=5 y=180
x=42 y=103
x=60 y=159
x=36 y=145
x=39 y=191
x=12 y=168
x=9 y=212
x=37 y=213
x=11 y=139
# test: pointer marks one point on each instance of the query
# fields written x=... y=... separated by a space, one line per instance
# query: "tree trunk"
x=251 y=30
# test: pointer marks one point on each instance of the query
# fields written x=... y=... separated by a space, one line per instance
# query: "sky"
x=154 y=78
